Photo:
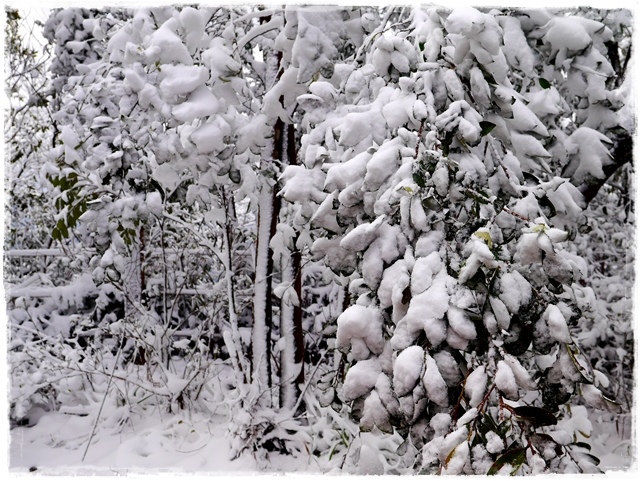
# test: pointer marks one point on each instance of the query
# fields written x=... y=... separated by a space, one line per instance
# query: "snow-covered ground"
x=162 y=442
x=192 y=443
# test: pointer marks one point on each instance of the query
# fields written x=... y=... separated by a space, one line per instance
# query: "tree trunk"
x=237 y=352
x=291 y=315
x=296 y=256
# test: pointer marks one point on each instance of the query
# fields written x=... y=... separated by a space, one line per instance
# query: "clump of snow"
x=515 y=291
x=201 y=103
x=589 y=154
x=435 y=302
x=522 y=376
x=558 y=328
x=423 y=271
x=458 y=459
x=407 y=369
x=467 y=417
x=167 y=47
x=476 y=385
x=500 y=312
x=441 y=423
x=459 y=321
x=448 y=367
x=361 y=379
x=495 y=444
x=434 y=383
x=182 y=79
x=506 y=381
x=361 y=236
x=361 y=328
x=209 y=137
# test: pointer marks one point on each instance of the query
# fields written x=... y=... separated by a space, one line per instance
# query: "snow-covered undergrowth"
x=198 y=442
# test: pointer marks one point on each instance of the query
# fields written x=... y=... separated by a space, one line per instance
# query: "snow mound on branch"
x=573 y=33
x=209 y=137
x=590 y=154
x=201 y=103
x=407 y=369
x=182 y=79
x=476 y=385
x=167 y=47
x=361 y=379
x=360 y=327
x=515 y=291
x=506 y=381
x=434 y=383
x=313 y=50
x=558 y=328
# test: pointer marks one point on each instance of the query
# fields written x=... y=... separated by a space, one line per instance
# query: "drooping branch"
x=622 y=154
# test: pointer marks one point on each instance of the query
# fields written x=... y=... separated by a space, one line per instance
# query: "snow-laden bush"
x=446 y=170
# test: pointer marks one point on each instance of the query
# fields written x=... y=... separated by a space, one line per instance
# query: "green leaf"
x=486 y=127
x=580 y=362
x=544 y=83
x=543 y=442
x=546 y=203
x=234 y=175
x=60 y=231
x=588 y=457
x=535 y=416
x=419 y=180
x=514 y=457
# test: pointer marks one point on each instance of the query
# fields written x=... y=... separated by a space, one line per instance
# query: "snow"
x=209 y=137
x=191 y=96
x=462 y=116
x=313 y=49
x=339 y=176
x=515 y=291
x=495 y=444
x=201 y=103
x=147 y=443
x=434 y=302
x=525 y=120
x=182 y=79
x=506 y=381
x=476 y=385
x=361 y=236
x=423 y=271
x=568 y=33
x=459 y=321
x=521 y=375
x=165 y=45
x=359 y=323
x=458 y=460
x=448 y=368
x=500 y=312
x=557 y=324
x=193 y=22
x=434 y=383
x=394 y=280
x=515 y=47
x=407 y=369
x=369 y=462
x=590 y=154
x=154 y=203
x=361 y=379
x=354 y=128
x=381 y=165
